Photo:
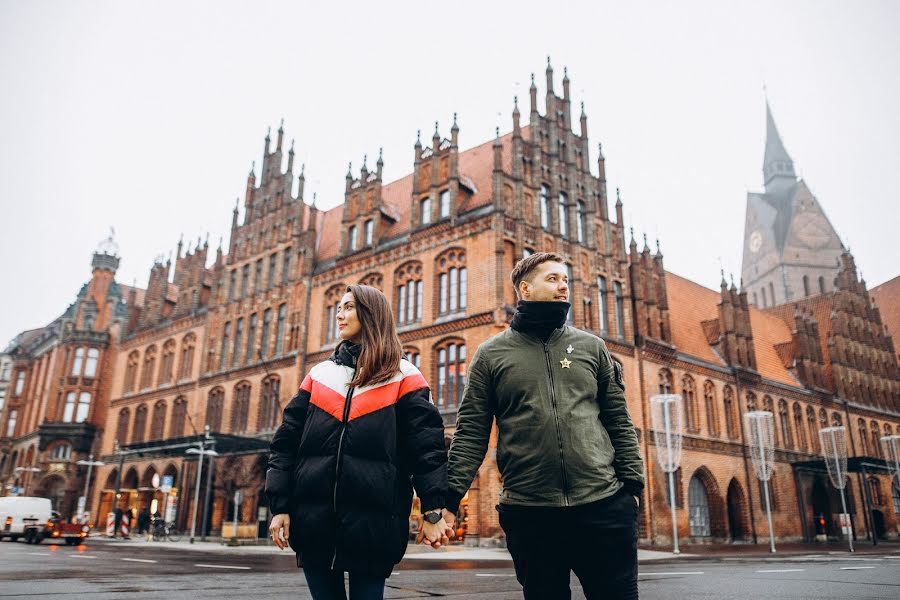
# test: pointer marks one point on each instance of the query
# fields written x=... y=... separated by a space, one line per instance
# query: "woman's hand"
x=435 y=535
x=280 y=530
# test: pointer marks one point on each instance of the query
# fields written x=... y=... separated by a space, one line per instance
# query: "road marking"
x=144 y=560
x=854 y=568
x=780 y=570
x=83 y=556
x=222 y=567
x=675 y=573
x=39 y=554
x=494 y=575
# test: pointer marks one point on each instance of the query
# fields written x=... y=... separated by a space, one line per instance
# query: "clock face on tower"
x=755 y=241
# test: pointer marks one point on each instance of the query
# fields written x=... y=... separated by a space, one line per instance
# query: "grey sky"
x=146 y=116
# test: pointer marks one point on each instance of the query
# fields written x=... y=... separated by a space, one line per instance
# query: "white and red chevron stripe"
x=328 y=384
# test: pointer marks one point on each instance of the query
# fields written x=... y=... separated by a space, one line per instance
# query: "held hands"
x=437 y=534
x=280 y=530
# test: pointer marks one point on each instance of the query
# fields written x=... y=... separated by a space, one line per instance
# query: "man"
x=567 y=450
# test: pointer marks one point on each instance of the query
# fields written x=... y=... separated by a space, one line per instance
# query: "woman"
x=354 y=440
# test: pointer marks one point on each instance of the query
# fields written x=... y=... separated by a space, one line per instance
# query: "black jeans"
x=598 y=541
x=329 y=585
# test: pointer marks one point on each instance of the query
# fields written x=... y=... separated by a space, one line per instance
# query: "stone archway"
x=54 y=488
x=738 y=516
x=706 y=487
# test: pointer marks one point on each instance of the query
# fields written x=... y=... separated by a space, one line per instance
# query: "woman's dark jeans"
x=329 y=585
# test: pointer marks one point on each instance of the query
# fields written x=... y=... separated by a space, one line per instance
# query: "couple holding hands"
x=362 y=432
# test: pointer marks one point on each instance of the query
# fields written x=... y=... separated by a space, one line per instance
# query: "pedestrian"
x=119 y=516
x=143 y=520
x=566 y=449
x=354 y=440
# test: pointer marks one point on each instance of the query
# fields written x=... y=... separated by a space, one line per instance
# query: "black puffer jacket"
x=344 y=461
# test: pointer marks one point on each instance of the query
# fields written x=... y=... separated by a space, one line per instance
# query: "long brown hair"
x=381 y=349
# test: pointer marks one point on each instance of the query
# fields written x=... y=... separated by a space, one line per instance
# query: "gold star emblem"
x=565 y=363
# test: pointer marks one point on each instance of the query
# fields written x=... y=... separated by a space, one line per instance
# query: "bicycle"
x=162 y=531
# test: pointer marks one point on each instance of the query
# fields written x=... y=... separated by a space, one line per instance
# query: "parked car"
x=21 y=513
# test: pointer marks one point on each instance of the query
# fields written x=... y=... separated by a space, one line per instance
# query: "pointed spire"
x=723 y=284
x=315 y=197
x=533 y=91
x=498 y=151
x=252 y=174
x=280 y=136
x=364 y=170
x=380 y=164
x=633 y=244
x=436 y=138
x=600 y=151
x=565 y=83
x=454 y=132
x=776 y=162
x=516 y=125
x=658 y=249
x=618 y=197
x=268 y=139
x=549 y=76
x=646 y=245
x=291 y=157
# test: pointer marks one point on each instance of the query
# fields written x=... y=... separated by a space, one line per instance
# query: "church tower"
x=791 y=251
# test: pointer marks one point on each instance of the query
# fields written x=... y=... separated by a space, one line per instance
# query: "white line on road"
x=83 y=556
x=38 y=554
x=854 y=568
x=674 y=573
x=222 y=567
x=494 y=575
x=145 y=560
x=780 y=570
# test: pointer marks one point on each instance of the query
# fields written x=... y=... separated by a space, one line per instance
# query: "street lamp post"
x=201 y=450
x=91 y=463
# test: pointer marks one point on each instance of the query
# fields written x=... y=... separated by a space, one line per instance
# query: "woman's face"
x=348 y=323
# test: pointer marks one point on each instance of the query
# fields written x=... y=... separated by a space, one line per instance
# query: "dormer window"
x=445 y=203
x=425 y=206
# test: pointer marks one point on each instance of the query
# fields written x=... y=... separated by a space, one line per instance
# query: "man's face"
x=549 y=282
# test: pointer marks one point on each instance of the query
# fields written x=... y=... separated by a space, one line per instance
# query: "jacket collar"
x=346 y=353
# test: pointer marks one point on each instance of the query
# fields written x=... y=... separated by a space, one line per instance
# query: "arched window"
x=580 y=227
x=226 y=336
x=250 y=355
x=688 y=395
x=876 y=440
x=270 y=403
x=158 y=424
x=863 y=437
x=131 y=369
x=122 y=427
x=241 y=407
x=875 y=491
x=769 y=406
x=452 y=276
x=179 y=415
x=620 y=309
x=784 y=420
x=545 y=207
x=374 y=280
x=665 y=381
x=264 y=334
x=709 y=399
x=444 y=199
x=149 y=367
x=279 y=330
x=751 y=401
x=214 y=405
x=603 y=306
x=412 y=354
x=187 y=356
x=731 y=418
x=564 y=214
x=370 y=232
x=236 y=346
x=84 y=407
x=332 y=300
x=821 y=284
x=798 y=427
x=62 y=452
x=806 y=285
x=69 y=409
x=90 y=365
x=836 y=420
x=425 y=210
x=410 y=292
x=167 y=363
x=140 y=424
x=813 y=429
x=451 y=373
x=77 y=362
x=351 y=243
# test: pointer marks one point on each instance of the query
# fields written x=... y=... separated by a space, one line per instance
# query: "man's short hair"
x=524 y=268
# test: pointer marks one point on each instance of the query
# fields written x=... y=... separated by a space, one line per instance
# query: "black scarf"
x=540 y=319
x=347 y=353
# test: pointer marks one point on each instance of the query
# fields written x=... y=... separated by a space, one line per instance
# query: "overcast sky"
x=146 y=116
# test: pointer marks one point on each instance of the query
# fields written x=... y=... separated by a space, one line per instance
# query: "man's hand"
x=450 y=520
x=280 y=530
x=438 y=534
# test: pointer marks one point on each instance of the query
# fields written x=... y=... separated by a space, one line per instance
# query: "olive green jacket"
x=565 y=437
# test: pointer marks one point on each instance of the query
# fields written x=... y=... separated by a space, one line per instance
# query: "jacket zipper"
x=562 y=459
x=337 y=464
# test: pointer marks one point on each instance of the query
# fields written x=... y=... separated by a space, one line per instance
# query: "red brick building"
x=224 y=341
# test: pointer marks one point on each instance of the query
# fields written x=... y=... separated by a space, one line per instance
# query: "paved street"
x=138 y=570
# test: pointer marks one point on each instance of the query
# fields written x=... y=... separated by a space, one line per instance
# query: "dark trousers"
x=329 y=585
x=598 y=541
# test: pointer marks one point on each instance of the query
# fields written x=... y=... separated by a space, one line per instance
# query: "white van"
x=19 y=512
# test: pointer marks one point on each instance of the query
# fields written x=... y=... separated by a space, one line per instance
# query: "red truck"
x=57 y=528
